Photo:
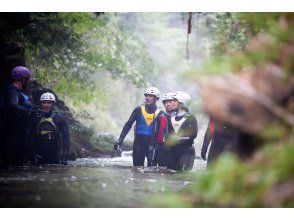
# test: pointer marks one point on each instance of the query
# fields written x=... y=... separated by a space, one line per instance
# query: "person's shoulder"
x=9 y=86
x=138 y=108
x=12 y=90
x=191 y=117
x=58 y=116
x=59 y=120
x=162 y=113
x=35 y=119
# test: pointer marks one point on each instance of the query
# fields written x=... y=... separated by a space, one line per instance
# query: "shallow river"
x=101 y=182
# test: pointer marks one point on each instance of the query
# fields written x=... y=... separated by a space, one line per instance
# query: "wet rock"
x=257 y=95
x=260 y=94
x=249 y=102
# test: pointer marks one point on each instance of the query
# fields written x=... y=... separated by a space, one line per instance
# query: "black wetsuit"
x=179 y=146
x=2 y=126
x=18 y=106
x=222 y=138
x=141 y=142
x=45 y=151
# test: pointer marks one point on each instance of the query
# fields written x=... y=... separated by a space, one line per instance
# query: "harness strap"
x=177 y=124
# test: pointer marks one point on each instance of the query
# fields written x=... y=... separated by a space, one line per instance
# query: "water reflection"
x=100 y=182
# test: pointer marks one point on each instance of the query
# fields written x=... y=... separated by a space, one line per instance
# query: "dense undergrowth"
x=266 y=178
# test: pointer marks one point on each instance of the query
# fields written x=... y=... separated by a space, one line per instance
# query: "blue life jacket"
x=27 y=104
x=145 y=125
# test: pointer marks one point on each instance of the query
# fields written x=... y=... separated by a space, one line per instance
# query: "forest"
x=237 y=67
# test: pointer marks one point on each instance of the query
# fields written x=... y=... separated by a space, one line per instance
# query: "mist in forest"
x=165 y=36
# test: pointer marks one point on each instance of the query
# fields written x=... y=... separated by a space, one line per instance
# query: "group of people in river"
x=34 y=133
x=164 y=138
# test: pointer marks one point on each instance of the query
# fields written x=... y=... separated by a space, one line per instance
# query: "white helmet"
x=182 y=97
x=167 y=96
x=152 y=91
x=47 y=96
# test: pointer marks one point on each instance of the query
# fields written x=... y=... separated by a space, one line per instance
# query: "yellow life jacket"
x=149 y=117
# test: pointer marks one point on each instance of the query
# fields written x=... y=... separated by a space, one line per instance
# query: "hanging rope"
x=189 y=32
x=190 y=23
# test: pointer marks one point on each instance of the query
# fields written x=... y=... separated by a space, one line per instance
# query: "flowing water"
x=99 y=182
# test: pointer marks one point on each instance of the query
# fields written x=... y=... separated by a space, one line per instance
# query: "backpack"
x=47 y=130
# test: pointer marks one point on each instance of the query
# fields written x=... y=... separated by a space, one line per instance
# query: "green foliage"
x=121 y=53
x=72 y=50
x=233 y=183
x=220 y=65
x=275 y=131
x=228 y=32
x=276 y=33
x=105 y=142
x=265 y=179
x=86 y=137
x=169 y=200
x=83 y=131
x=260 y=22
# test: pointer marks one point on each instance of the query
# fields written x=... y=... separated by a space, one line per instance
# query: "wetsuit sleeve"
x=65 y=136
x=194 y=128
x=14 y=106
x=208 y=136
x=129 y=123
x=162 y=130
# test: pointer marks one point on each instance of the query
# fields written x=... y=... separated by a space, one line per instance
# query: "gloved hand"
x=117 y=145
x=203 y=154
x=64 y=159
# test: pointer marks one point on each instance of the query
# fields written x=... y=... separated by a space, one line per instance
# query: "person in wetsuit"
x=149 y=129
x=182 y=131
x=18 y=109
x=168 y=102
x=49 y=134
x=222 y=138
